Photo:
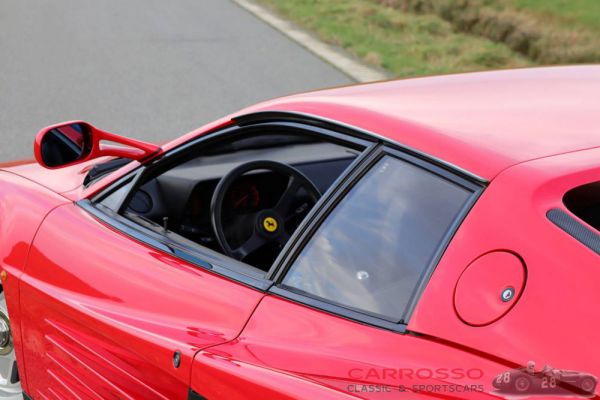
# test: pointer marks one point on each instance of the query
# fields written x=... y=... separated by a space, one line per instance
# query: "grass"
x=585 y=13
x=417 y=37
x=405 y=44
x=548 y=37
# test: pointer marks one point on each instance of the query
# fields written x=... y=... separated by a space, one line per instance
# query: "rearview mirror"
x=65 y=144
x=73 y=142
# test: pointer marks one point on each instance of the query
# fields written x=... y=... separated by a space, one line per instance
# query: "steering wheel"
x=269 y=224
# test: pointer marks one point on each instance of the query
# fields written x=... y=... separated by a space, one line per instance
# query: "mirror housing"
x=74 y=142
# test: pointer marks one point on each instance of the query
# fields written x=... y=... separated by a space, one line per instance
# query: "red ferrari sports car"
x=407 y=239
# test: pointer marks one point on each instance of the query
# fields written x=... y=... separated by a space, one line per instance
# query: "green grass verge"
x=542 y=30
x=406 y=44
x=584 y=13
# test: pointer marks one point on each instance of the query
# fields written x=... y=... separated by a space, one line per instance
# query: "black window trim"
x=375 y=147
x=316 y=303
x=355 y=132
x=312 y=223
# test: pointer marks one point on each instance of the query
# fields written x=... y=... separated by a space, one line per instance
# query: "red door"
x=107 y=317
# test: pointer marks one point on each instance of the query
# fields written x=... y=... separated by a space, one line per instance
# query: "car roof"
x=482 y=122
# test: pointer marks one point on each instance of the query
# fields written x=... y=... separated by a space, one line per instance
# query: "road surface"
x=150 y=69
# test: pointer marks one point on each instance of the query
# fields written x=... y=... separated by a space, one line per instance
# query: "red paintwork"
x=59 y=180
x=101 y=313
x=73 y=134
x=477 y=298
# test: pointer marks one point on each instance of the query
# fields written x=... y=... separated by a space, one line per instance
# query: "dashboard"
x=183 y=195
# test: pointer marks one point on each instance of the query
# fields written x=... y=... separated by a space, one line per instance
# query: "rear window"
x=584 y=202
x=372 y=251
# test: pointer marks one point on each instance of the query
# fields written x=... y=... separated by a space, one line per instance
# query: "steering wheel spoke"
x=284 y=204
x=251 y=245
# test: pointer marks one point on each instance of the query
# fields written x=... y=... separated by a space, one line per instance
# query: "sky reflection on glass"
x=371 y=251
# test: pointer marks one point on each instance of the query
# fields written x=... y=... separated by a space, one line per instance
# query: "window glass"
x=372 y=250
x=225 y=195
x=115 y=199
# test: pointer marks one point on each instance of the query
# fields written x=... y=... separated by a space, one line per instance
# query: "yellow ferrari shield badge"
x=270 y=224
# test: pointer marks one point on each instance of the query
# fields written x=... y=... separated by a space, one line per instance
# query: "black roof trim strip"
x=306 y=118
x=576 y=229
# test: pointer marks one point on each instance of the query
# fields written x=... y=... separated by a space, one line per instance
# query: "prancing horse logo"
x=270 y=224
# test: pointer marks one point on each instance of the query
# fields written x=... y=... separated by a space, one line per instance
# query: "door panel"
x=104 y=314
x=219 y=376
x=291 y=351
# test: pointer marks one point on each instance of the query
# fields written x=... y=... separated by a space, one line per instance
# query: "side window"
x=374 y=248
x=242 y=194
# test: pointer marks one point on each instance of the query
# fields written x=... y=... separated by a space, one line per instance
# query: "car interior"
x=242 y=197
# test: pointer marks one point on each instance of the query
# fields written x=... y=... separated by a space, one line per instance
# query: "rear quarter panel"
x=556 y=319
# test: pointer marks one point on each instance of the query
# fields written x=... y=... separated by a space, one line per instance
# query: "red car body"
x=96 y=314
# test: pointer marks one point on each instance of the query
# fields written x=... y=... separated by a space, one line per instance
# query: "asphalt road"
x=150 y=69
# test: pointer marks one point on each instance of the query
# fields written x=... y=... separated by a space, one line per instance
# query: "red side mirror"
x=73 y=142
